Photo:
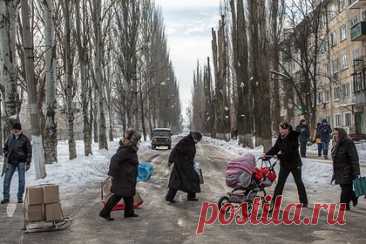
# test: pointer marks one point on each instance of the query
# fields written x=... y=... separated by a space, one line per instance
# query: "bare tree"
x=37 y=145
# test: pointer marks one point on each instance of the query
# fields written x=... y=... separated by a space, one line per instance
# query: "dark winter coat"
x=287 y=150
x=304 y=132
x=346 y=164
x=18 y=149
x=183 y=176
x=325 y=132
x=123 y=169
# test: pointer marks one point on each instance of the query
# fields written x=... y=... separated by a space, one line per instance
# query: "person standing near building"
x=303 y=130
x=18 y=154
x=325 y=136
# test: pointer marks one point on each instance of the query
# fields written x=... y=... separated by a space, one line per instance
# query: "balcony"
x=358 y=31
x=357 y=4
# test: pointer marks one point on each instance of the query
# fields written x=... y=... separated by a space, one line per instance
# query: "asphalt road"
x=160 y=222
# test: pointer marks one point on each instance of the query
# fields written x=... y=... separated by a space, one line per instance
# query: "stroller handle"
x=268 y=159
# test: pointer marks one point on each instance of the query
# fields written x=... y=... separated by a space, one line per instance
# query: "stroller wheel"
x=222 y=201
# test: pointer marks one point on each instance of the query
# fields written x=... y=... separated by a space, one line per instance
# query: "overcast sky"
x=188 y=27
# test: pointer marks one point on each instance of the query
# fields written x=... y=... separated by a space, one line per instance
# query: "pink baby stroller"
x=246 y=180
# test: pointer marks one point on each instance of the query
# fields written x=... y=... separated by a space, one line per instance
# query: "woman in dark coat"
x=287 y=150
x=123 y=170
x=346 y=166
x=183 y=176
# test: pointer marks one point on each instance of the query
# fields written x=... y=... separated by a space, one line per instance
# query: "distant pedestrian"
x=184 y=176
x=18 y=156
x=318 y=140
x=303 y=130
x=346 y=166
x=123 y=170
x=325 y=136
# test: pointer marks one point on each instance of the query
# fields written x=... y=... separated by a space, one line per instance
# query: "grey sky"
x=188 y=26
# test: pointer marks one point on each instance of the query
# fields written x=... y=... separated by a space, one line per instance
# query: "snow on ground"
x=314 y=171
x=70 y=175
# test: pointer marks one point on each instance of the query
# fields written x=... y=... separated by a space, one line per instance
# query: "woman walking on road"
x=123 y=170
x=346 y=166
x=183 y=176
x=287 y=150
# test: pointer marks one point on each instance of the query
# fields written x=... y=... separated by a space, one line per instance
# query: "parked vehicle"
x=161 y=137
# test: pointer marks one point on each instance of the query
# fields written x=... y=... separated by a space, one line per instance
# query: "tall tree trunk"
x=8 y=13
x=97 y=19
x=275 y=35
x=50 y=132
x=240 y=47
x=260 y=69
x=69 y=92
x=37 y=145
x=82 y=44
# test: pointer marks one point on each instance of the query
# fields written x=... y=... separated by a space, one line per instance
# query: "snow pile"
x=232 y=146
x=72 y=174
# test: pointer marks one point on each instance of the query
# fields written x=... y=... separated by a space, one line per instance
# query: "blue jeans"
x=320 y=149
x=9 y=175
x=325 y=148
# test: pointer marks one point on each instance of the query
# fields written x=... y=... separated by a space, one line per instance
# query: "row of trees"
x=104 y=61
x=260 y=67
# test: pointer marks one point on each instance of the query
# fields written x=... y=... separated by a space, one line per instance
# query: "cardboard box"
x=53 y=212
x=51 y=194
x=34 y=213
x=34 y=195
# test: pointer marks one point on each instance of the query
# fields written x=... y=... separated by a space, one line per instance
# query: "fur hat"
x=17 y=126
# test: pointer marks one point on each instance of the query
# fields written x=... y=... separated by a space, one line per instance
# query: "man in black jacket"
x=304 y=136
x=183 y=176
x=287 y=150
x=346 y=166
x=18 y=154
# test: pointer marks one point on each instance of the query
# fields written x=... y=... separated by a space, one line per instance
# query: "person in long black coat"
x=123 y=169
x=346 y=166
x=183 y=176
x=287 y=150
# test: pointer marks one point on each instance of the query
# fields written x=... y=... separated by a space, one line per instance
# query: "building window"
x=356 y=53
x=346 y=88
x=320 y=97
x=343 y=33
x=337 y=93
x=338 y=120
x=344 y=61
x=354 y=20
x=333 y=39
x=348 y=119
x=335 y=66
x=358 y=82
x=327 y=96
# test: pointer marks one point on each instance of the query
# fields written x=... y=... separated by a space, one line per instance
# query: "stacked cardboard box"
x=42 y=203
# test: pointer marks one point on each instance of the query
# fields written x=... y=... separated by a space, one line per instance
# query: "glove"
x=27 y=167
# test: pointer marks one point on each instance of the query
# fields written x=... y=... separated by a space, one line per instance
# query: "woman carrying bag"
x=123 y=169
x=346 y=166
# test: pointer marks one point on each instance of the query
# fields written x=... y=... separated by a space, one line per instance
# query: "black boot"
x=106 y=217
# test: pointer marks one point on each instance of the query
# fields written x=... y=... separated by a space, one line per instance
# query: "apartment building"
x=341 y=85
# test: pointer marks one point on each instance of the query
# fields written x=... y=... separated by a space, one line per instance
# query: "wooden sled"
x=47 y=226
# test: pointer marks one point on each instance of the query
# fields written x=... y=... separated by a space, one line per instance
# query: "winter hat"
x=17 y=126
x=132 y=136
x=197 y=136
